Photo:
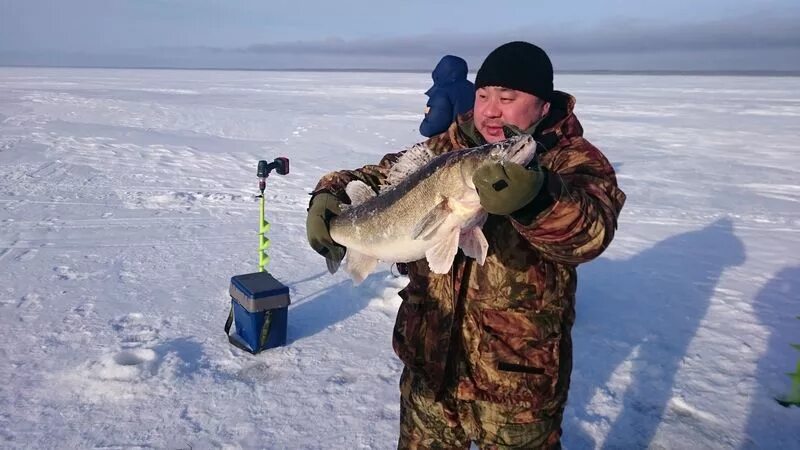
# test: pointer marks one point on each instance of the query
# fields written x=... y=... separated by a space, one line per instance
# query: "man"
x=487 y=349
x=451 y=94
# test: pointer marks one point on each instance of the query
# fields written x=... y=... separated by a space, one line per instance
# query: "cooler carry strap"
x=229 y=322
x=236 y=342
x=262 y=337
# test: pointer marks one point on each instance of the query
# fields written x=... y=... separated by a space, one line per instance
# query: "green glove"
x=323 y=208
x=507 y=187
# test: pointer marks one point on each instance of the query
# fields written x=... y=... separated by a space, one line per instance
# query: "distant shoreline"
x=749 y=73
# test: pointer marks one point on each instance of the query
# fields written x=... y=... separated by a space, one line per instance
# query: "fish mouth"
x=522 y=150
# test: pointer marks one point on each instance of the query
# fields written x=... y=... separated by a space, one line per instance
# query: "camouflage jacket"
x=500 y=332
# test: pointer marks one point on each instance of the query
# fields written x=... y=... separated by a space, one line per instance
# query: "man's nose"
x=492 y=109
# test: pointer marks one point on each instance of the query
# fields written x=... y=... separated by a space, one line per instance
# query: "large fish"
x=429 y=208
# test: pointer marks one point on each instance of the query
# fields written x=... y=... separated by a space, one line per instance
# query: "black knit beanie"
x=518 y=65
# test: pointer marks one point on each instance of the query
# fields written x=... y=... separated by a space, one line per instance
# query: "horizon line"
x=698 y=72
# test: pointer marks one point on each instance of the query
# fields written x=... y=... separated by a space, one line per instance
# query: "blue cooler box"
x=259 y=310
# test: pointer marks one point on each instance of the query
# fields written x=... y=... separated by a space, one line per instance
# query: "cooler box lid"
x=259 y=291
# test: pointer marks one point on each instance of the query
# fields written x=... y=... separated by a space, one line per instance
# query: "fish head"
x=519 y=149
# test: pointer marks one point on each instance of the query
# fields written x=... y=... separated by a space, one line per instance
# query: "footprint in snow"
x=136 y=359
x=27 y=255
x=135 y=331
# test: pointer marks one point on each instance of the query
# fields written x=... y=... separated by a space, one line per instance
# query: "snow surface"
x=126 y=204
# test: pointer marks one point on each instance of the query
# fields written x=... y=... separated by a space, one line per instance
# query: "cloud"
x=751 y=32
x=756 y=41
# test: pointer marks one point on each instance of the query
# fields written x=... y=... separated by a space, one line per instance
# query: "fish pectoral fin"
x=359 y=192
x=440 y=256
x=474 y=244
x=430 y=222
x=359 y=266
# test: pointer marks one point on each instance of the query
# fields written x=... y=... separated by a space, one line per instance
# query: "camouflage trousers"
x=449 y=423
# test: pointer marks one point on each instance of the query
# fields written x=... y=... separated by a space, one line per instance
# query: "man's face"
x=497 y=106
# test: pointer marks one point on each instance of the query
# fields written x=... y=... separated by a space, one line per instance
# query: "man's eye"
x=506 y=99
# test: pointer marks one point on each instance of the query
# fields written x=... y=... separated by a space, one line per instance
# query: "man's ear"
x=546 y=109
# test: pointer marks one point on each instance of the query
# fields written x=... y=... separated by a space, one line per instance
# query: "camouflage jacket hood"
x=501 y=331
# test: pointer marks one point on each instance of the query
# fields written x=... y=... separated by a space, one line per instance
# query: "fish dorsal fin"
x=359 y=192
x=409 y=162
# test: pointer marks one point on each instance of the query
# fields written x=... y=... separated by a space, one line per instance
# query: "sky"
x=413 y=34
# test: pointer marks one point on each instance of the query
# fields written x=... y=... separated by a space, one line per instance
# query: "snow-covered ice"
x=127 y=203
